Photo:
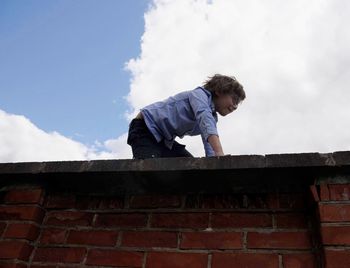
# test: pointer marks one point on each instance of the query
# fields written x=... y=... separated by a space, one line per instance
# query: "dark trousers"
x=144 y=145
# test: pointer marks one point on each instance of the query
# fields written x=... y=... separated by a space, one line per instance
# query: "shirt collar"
x=212 y=106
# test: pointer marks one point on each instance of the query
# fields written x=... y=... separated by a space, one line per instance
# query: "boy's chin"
x=222 y=113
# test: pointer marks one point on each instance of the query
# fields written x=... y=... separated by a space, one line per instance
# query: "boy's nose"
x=233 y=107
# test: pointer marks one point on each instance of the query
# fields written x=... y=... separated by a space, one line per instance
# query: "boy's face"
x=225 y=103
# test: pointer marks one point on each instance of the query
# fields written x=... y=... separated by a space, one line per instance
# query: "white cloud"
x=22 y=141
x=119 y=147
x=291 y=56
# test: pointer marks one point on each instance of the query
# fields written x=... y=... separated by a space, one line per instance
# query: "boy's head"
x=227 y=93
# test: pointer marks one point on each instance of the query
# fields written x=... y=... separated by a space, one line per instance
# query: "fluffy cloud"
x=119 y=147
x=21 y=140
x=291 y=56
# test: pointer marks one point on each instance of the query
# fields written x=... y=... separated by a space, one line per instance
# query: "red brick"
x=60 y=201
x=2 y=227
x=287 y=201
x=150 y=239
x=111 y=203
x=69 y=218
x=220 y=201
x=56 y=254
x=99 y=202
x=30 y=213
x=336 y=235
x=12 y=265
x=241 y=220
x=22 y=230
x=118 y=258
x=155 y=201
x=88 y=202
x=44 y=266
x=176 y=260
x=244 y=260
x=337 y=258
x=227 y=201
x=15 y=250
x=212 y=240
x=121 y=220
x=291 y=220
x=314 y=194
x=255 y=201
x=287 y=240
x=24 y=196
x=300 y=260
x=324 y=192
x=93 y=237
x=180 y=220
x=334 y=212
x=339 y=191
x=53 y=236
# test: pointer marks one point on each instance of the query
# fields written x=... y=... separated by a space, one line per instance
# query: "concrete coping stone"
x=229 y=162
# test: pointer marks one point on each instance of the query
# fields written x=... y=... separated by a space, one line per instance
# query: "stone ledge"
x=227 y=174
x=230 y=162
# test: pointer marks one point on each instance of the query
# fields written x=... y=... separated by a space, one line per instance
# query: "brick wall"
x=21 y=215
x=333 y=214
x=39 y=228
x=274 y=211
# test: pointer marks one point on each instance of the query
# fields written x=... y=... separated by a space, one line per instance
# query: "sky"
x=74 y=73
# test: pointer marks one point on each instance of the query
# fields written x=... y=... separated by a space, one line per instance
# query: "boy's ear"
x=217 y=93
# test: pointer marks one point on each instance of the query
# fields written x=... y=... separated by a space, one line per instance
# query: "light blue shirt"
x=187 y=113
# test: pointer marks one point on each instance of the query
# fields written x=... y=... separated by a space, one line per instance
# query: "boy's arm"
x=199 y=102
x=215 y=143
x=207 y=147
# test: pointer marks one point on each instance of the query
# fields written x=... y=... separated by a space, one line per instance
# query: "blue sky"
x=62 y=63
x=66 y=66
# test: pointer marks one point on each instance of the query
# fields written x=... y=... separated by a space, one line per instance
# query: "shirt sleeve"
x=207 y=147
x=199 y=102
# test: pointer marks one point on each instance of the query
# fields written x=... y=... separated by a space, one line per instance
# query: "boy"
x=152 y=133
